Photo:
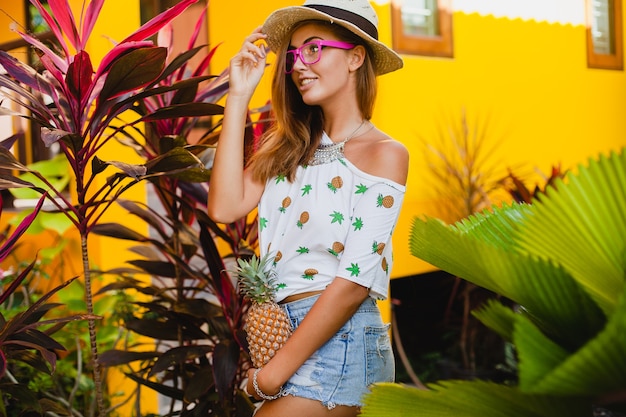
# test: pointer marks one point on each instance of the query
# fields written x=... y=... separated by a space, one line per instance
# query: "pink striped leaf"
x=8 y=245
x=156 y=23
x=58 y=34
x=91 y=16
x=116 y=52
x=62 y=12
x=59 y=62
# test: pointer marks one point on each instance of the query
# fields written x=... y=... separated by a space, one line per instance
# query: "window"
x=422 y=27
x=604 y=34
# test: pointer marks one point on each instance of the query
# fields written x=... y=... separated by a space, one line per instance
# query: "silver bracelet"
x=260 y=393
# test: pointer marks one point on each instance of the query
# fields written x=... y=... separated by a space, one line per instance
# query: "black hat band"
x=361 y=22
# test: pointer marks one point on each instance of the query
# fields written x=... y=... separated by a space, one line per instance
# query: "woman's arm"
x=337 y=303
x=232 y=191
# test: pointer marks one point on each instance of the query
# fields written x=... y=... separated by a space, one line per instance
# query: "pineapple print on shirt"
x=285 y=203
x=304 y=217
x=335 y=184
x=336 y=248
x=386 y=201
x=310 y=273
x=332 y=220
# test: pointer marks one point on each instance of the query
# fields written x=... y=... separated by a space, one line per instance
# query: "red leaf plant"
x=78 y=106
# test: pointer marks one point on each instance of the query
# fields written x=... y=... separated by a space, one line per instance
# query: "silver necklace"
x=326 y=153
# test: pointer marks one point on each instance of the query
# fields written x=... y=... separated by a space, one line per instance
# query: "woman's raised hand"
x=248 y=65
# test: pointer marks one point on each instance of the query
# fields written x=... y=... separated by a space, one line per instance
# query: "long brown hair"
x=298 y=127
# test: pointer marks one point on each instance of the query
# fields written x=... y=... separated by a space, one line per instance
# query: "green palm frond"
x=547 y=292
x=582 y=226
x=468 y=399
x=563 y=260
x=598 y=367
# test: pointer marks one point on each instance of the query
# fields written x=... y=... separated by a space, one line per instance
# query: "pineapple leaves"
x=256 y=278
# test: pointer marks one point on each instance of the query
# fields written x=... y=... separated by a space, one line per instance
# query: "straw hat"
x=357 y=16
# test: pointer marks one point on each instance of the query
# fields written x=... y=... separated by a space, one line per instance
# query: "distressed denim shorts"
x=358 y=355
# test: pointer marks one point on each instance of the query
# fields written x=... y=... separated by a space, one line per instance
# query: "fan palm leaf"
x=563 y=261
x=467 y=399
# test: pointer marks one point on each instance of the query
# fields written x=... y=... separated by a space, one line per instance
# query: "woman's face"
x=326 y=80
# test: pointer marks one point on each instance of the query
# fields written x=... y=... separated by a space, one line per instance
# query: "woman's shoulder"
x=380 y=155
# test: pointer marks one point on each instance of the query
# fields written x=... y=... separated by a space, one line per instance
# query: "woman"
x=328 y=186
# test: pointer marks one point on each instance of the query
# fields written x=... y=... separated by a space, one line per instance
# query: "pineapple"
x=304 y=217
x=267 y=325
x=310 y=273
x=286 y=203
x=386 y=201
x=378 y=248
x=384 y=265
x=336 y=249
x=335 y=184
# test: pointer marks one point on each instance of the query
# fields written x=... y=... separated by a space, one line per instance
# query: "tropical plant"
x=85 y=115
x=26 y=338
x=464 y=177
x=190 y=310
x=522 y=194
x=562 y=261
x=193 y=310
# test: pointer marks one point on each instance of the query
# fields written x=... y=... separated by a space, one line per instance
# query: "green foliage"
x=562 y=261
x=68 y=387
x=55 y=170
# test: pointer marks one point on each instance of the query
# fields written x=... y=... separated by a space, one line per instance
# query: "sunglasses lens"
x=290 y=60
x=311 y=53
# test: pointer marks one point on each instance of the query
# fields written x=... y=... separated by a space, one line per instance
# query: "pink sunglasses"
x=311 y=52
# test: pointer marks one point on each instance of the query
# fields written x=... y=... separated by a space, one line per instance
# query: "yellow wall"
x=10 y=12
x=530 y=78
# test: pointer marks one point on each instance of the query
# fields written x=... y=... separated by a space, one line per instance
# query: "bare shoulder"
x=380 y=155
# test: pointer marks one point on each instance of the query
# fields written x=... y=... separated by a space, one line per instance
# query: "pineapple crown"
x=257 y=278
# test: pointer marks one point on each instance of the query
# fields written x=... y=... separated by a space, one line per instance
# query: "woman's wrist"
x=241 y=98
x=262 y=393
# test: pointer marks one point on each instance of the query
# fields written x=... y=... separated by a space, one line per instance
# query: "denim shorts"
x=358 y=355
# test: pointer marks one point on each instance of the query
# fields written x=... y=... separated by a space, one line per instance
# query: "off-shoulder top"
x=333 y=220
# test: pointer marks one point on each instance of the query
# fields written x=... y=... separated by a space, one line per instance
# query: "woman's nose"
x=299 y=64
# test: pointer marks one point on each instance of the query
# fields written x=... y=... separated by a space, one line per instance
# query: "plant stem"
x=92 y=326
x=401 y=352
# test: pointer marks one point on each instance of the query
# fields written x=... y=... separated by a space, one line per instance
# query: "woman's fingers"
x=252 y=48
x=248 y=65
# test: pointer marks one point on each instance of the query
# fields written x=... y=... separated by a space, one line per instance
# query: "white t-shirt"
x=332 y=220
